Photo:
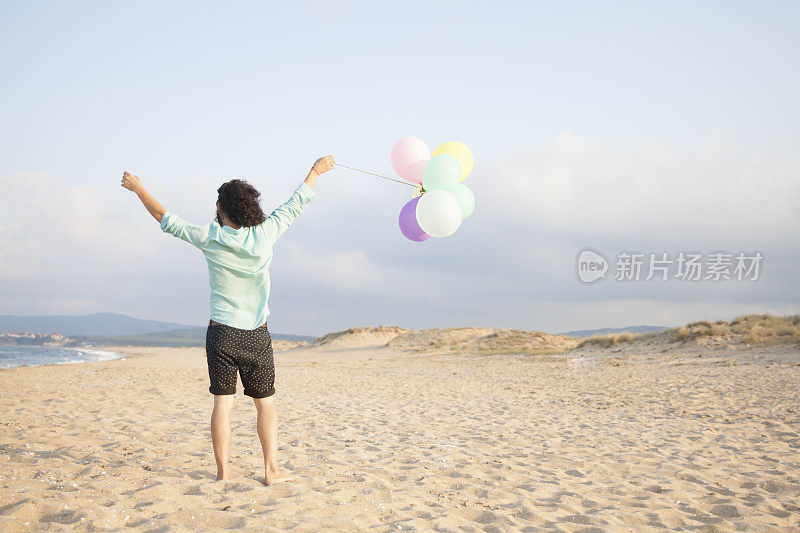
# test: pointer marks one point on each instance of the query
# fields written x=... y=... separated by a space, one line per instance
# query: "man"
x=238 y=250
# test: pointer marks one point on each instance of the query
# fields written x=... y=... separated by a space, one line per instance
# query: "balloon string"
x=378 y=175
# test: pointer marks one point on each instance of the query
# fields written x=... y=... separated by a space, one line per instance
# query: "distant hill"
x=174 y=337
x=93 y=324
x=606 y=331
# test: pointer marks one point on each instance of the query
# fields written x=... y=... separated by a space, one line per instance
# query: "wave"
x=16 y=356
x=96 y=355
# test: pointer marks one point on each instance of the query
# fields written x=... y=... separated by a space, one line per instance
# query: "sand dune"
x=746 y=330
x=651 y=434
x=278 y=345
x=462 y=340
x=358 y=337
x=482 y=341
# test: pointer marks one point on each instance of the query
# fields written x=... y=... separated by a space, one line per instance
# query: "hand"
x=131 y=182
x=323 y=164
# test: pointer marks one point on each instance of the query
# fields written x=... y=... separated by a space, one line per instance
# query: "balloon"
x=417 y=192
x=441 y=172
x=438 y=213
x=465 y=197
x=409 y=156
x=460 y=152
x=408 y=222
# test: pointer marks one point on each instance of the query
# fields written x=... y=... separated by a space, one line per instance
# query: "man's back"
x=238 y=260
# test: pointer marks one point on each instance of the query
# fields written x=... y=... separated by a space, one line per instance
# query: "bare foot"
x=277 y=476
x=221 y=475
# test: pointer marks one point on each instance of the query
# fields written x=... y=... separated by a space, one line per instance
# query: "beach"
x=623 y=438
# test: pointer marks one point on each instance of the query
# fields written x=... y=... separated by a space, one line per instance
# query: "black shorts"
x=248 y=351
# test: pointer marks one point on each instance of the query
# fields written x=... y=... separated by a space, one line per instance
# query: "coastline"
x=43 y=355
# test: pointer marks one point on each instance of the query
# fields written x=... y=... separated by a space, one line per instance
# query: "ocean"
x=14 y=356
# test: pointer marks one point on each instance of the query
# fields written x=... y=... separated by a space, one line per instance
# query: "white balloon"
x=439 y=213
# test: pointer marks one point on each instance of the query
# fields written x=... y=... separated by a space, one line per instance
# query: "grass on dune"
x=750 y=329
x=612 y=339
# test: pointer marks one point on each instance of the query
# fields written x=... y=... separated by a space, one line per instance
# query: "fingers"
x=128 y=180
x=324 y=164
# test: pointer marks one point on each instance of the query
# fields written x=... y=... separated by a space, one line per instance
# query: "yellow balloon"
x=417 y=192
x=460 y=152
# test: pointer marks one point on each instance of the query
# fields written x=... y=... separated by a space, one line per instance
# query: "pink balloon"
x=409 y=156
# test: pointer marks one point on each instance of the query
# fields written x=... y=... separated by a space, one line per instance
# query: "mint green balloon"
x=464 y=196
x=441 y=172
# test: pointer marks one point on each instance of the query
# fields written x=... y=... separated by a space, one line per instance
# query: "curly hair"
x=238 y=200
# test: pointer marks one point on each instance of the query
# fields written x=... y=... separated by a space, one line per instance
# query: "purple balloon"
x=408 y=222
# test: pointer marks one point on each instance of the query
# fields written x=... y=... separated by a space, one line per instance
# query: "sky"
x=617 y=126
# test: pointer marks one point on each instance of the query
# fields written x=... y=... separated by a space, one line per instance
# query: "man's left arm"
x=133 y=183
x=170 y=222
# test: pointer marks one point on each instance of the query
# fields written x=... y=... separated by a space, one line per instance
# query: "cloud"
x=613 y=190
x=70 y=247
x=349 y=270
x=51 y=227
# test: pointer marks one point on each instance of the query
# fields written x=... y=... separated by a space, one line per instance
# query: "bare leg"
x=267 y=427
x=221 y=432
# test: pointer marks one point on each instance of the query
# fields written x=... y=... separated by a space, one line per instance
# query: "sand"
x=624 y=439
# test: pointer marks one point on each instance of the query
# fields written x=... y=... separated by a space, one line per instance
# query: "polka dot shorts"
x=249 y=351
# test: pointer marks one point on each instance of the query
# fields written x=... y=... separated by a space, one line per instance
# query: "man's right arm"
x=320 y=166
x=280 y=219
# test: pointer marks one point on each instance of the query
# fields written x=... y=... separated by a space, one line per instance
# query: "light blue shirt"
x=238 y=260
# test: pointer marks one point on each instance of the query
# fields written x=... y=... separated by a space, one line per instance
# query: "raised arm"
x=170 y=222
x=281 y=218
x=133 y=183
x=320 y=166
